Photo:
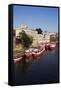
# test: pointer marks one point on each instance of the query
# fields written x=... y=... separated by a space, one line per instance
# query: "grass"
x=21 y=52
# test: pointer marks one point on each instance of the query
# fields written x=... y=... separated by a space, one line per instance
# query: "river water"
x=38 y=70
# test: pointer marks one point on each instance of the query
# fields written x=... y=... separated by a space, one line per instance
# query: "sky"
x=45 y=18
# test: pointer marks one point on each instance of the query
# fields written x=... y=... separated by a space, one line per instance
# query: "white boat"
x=52 y=45
x=38 y=53
x=17 y=59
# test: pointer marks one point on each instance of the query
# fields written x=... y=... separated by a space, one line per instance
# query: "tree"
x=39 y=30
x=25 y=39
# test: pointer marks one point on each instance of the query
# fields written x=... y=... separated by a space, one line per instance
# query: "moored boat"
x=50 y=46
x=17 y=58
x=47 y=46
x=37 y=53
x=28 y=54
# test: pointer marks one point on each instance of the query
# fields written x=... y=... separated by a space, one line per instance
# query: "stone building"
x=37 y=38
x=53 y=37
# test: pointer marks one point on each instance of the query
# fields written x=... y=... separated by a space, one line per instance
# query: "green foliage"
x=39 y=30
x=25 y=39
x=21 y=52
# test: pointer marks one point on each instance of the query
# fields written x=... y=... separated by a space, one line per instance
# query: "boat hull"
x=17 y=58
x=38 y=53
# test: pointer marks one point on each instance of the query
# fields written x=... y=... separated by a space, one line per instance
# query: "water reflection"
x=25 y=63
x=42 y=68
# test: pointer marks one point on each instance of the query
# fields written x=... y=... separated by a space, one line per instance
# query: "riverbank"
x=32 y=52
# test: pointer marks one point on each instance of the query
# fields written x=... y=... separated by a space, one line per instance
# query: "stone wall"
x=37 y=38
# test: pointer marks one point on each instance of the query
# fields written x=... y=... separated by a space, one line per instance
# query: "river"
x=39 y=70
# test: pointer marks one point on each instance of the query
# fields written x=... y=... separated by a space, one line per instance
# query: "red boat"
x=47 y=46
x=50 y=46
x=17 y=58
x=37 y=53
x=28 y=54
